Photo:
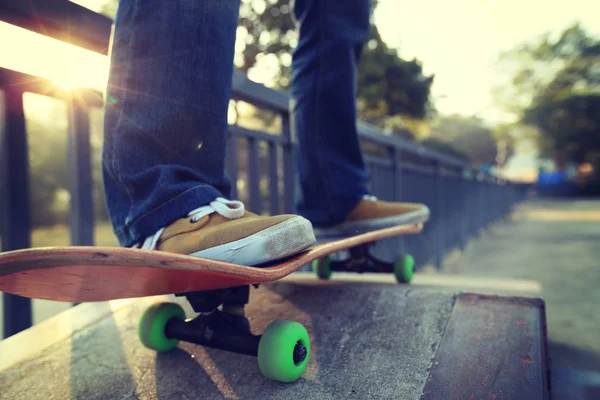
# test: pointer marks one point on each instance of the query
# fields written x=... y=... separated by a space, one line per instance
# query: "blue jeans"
x=165 y=133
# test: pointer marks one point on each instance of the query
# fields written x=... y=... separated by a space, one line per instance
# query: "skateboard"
x=216 y=290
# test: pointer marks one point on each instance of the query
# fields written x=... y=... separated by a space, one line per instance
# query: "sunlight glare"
x=68 y=66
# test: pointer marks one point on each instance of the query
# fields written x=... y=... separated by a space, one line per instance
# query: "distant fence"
x=462 y=199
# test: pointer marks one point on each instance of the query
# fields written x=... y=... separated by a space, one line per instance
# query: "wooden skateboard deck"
x=87 y=274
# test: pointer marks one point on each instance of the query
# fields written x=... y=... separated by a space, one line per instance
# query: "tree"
x=555 y=86
x=445 y=147
x=470 y=137
x=388 y=85
x=508 y=136
x=266 y=35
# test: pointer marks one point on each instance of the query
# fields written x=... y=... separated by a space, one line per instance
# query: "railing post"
x=453 y=204
x=273 y=180
x=14 y=170
x=490 y=200
x=80 y=175
x=289 y=178
x=440 y=245
x=397 y=189
x=479 y=204
x=394 y=153
x=232 y=163
x=465 y=215
x=255 y=196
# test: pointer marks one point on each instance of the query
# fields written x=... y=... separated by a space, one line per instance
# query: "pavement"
x=106 y=360
x=555 y=245
x=369 y=339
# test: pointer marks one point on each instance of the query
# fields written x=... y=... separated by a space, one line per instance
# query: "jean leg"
x=331 y=168
x=165 y=132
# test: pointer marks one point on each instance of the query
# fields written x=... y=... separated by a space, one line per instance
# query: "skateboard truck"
x=282 y=350
x=361 y=261
x=213 y=327
x=209 y=300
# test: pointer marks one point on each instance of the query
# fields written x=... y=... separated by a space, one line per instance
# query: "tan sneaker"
x=371 y=213
x=224 y=230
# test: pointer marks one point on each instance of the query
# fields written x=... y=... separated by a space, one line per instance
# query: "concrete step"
x=369 y=340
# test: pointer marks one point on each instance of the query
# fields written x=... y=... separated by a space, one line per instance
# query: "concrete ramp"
x=369 y=341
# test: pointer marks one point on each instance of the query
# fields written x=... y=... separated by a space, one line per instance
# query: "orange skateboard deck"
x=89 y=274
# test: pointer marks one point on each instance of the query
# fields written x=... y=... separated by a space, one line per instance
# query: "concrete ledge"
x=370 y=340
x=439 y=281
x=493 y=347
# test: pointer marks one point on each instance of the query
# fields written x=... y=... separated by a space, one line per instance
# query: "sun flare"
x=67 y=66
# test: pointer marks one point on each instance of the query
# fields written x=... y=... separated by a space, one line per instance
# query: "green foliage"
x=570 y=126
x=468 y=137
x=48 y=140
x=444 y=147
x=110 y=8
x=555 y=87
x=508 y=136
x=266 y=29
x=389 y=85
x=49 y=196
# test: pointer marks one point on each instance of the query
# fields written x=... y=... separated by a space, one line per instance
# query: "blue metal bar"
x=440 y=222
x=80 y=175
x=254 y=176
x=273 y=180
x=289 y=175
x=464 y=210
x=14 y=170
x=232 y=163
x=238 y=131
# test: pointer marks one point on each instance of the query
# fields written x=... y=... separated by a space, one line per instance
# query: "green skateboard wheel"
x=283 y=351
x=404 y=268
x=151 y=329
x=322 y=267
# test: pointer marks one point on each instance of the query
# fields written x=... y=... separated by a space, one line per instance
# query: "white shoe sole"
x=279 y=241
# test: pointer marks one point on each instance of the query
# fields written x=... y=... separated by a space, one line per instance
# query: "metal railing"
x=462 y=199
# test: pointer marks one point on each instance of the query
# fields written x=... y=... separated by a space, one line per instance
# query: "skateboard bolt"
x=299 y=353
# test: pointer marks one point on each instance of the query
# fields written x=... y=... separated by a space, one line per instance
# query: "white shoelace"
x=230 y=209
x=369 y=197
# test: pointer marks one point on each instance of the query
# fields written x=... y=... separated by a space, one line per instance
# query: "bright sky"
x=458 y=41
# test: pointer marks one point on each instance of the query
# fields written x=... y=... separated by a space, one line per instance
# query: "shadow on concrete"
x=566 y=356
x=179 y=376
x=90 y=368
x=363 y=337
x=575 y=372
